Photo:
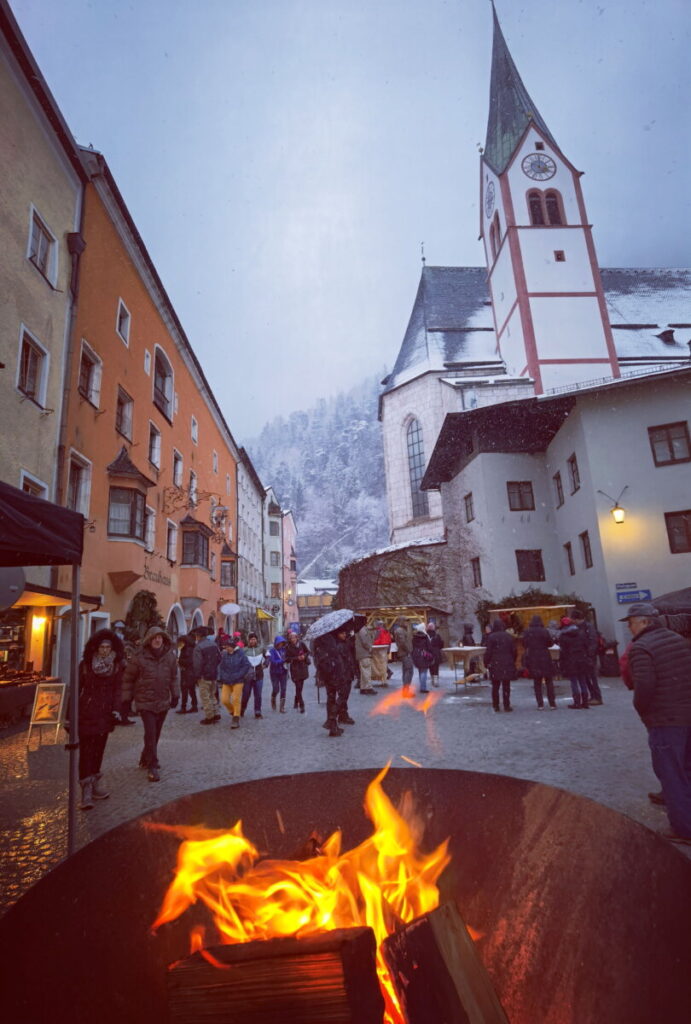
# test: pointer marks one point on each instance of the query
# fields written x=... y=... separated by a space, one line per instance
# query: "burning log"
x=328 y=978
x=437 y=973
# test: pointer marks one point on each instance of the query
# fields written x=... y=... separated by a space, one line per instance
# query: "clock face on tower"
x=489 y=199
x=538 y=166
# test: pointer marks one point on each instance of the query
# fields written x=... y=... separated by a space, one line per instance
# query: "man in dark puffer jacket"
x=660 y=663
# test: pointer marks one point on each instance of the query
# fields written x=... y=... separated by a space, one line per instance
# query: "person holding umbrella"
x=330 y=647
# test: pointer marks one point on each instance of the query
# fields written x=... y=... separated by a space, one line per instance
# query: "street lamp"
x=617 y=512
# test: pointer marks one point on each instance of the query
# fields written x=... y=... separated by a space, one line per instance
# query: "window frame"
x=154 y=451
x=276 y=591
x=586 y=549
x=415 y=457
x=127 y=404
x=559 y=488
x=137 y=507
x=194 y=430
x=275 y=559
x=201 y=549
x=536 y=570
x=171 y=541
x=523 y=494
x=178 y=468
x=25 y=477
x=568 y=549
x=685 y=516
x=574 y=473
x=84 y=496
x=540 y=204
x=476 y=570
x=228 y=575
x=92 y=392
x=469 y=507
x=667 y=427
x=125 y=337
x=49 y=271
x=274 y=529
x=163 y=398
x=38 y=395
x=149 y=528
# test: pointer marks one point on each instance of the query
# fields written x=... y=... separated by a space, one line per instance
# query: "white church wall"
x=511 y=345
x=503 y=286
x=542 y=270
x=569 y=328
x=520 y=184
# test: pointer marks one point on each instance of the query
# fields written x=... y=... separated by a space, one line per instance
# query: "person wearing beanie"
x=574 y=663
x=233 y=669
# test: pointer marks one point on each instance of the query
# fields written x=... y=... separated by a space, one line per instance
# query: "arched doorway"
x=175 y=626
x=197 y=620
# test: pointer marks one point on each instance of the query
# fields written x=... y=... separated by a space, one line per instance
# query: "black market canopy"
x=37 y=532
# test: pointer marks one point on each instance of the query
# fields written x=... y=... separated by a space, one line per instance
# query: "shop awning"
x=37 y=532
x=37 y=596
x=261 y=614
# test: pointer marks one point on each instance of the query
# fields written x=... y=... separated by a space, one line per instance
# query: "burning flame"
x=384 y=881
x=393 y=702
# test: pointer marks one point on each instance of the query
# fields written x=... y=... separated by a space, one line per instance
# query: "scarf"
x=103 y=666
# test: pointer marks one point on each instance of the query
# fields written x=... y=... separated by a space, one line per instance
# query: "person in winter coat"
x=188 y=679
x=436 y=644
x=404 y=648
x=381 y=638
x=574 y=662
x=660 y=663
x=205 y=661
x=278 y=671
x=537 y=641
x=233 y=670
x=298 y=660
x=422 y=655
x=254 y=684
x=151 y=680
x=591 y=643
x=333 y=662
x=363 y=652
x=500 y=659
x=100 y=697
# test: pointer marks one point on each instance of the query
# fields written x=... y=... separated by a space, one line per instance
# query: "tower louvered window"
x=416 y=467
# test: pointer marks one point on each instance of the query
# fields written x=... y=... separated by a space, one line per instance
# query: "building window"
x=31 y=485
x=214 y=461
x=276 y=590
x=194 y=430
x=275 y=558
x=193 y=489
x=163 y=384
x=212 y=565
x=124 y=407
x=154 y=445
x=89 y=375
x=149 y=528
x=416 y=468
x=227 y=573
x=535 y=208
x=227 y=483
x=469 y=510
x=126 y=513
x=123 y=321
x=195 y=548
x=559 y=256
x=520 y=495
x=477 y=572
x=177 y=468
x=569 y=559
x=670 y=443
x=574 y=475
x=78 y=484
x=293 y=565
x=678 y=531
x=33 y=369
x=171 y=542
x=585 y=547
x=274 y=529
x=558 y=489
x=530 y=567
x=147 y=362
x=553 y=208
x=42 y=248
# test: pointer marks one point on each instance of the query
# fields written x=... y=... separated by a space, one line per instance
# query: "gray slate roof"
x=511 y=109
x=451 y=321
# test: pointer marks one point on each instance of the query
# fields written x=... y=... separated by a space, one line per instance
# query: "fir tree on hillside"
x=327 y=465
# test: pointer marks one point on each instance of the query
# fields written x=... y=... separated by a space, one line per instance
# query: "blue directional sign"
x=633 y=596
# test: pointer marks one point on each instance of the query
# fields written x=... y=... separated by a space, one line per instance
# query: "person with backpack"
x=233 y=669
x=422 y=655
x=591 y=642
x=254 y=682
x=205 y=660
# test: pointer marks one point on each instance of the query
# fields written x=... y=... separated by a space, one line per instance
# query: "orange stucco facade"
x=145 y=452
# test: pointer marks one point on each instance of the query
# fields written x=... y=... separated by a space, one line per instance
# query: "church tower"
x=548 y=302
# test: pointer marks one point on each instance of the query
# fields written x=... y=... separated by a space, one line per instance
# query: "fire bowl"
x=583 y=913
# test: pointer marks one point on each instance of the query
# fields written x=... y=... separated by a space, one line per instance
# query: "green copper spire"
x=511 y=109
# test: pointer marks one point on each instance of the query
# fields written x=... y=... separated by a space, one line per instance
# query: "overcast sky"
x=284 y=159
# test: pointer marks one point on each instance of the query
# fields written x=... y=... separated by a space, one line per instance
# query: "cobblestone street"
x=602 y=755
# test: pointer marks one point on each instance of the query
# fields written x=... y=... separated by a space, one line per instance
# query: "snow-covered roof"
x=421 y=542
x=451 y=324
x=310 y=588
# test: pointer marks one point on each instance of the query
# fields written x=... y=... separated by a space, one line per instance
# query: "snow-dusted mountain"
x=327 y=465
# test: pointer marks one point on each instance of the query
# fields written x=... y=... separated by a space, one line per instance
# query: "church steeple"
x=511 y=109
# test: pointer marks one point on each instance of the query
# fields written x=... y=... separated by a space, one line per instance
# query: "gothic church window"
x=545 y=208
x=553 y=207
x=416 y=468
x=537 y=214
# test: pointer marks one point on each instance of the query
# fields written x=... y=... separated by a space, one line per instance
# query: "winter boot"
x=576 y=706
x=302 y=706
x=273 y=701
x=283 y=705
x=98 y=792
x=87 y=785
x=235 y=724
x=333 y=728
x=435 y=680
x=345 y=719
x=296 y=704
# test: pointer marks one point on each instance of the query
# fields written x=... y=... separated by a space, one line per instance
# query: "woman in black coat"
x=298 y=659
x=422 y=655
x=537 y=641
x=100 y=685
x=500 y=659
x=436 y=644
x=574 y=662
